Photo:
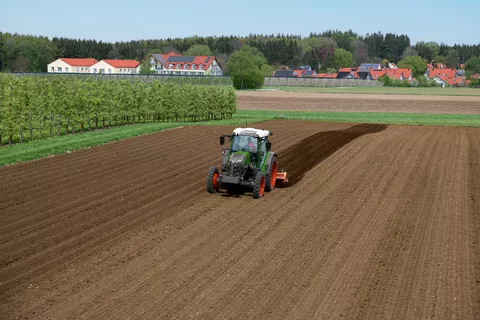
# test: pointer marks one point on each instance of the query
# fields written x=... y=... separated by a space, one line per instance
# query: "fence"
x=221 y=80
x=315 y=82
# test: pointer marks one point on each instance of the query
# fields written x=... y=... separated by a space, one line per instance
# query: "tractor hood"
x=240 y=157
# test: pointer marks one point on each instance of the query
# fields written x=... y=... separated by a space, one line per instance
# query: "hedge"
x=34 y=107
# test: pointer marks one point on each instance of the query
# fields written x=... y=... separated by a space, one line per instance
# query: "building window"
x=82 y=70
x=120 y=70
x=179 y=66
x=194 y=66
x=94 y=70
x=53 y=69
x=66 y=69
x=59 y=69
x=201 y=66
x=185 y=66
x=170 y=66
x=109 y=70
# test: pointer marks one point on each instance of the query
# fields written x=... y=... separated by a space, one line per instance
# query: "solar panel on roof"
x=180 y=59
x=208 y=59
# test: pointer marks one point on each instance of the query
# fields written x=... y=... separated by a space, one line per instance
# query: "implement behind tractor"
x=247 y=163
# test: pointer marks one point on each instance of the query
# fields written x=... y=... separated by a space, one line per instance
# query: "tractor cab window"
x=244 y=143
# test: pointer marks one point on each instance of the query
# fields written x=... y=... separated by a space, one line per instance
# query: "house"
x=71 y=65
x=368 y=66
x=444 y=76
x=283 y=74
x=176 y=64
x=297 y=73
x=116 y=67
x=347 y=73
x=396 y=73
x=327 y=75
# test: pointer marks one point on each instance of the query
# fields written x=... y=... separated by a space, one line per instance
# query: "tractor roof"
x=259 y=133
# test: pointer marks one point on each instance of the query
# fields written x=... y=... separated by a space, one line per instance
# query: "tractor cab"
x=249 y=143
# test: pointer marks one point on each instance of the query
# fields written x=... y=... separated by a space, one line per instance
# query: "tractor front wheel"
x=212 y=180
x=259 y=185
x=271 y=177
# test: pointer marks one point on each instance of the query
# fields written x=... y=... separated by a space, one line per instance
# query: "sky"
x=447 y=21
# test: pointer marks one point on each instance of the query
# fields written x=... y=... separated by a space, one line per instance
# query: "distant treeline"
x=25 y=53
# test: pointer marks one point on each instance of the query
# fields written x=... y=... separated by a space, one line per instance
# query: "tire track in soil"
x=317 y=148
x=64 y=238
x=474 y=217
x=371 y=222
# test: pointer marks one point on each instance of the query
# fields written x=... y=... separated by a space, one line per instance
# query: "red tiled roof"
x=446 y=72
x=79 y=62
x=297 y=73
x=327 y=75
x=377 y=74
x=123 y=63
x=391 y=73
x=475 y=76
x=205 y=61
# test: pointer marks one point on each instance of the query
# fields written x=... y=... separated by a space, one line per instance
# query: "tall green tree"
x=247 y=68
x=427 y=50
x=473 y=65
x=198 y=50
x=416 y=63
x=452 y=60
x=343 y=58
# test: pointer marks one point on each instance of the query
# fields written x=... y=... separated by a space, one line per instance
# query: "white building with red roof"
x=116 y=67
x=71 y=65
x=176 y=64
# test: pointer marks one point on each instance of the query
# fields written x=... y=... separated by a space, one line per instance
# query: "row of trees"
x=319 y=50
x=38 y=106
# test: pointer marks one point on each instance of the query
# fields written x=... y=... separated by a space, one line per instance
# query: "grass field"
x=386 y=90
x=57 y=145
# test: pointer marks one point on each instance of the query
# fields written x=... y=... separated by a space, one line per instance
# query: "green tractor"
x=247 y=163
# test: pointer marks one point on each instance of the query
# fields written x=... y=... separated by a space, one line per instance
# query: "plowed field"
x=378 y=222
x=301 y=101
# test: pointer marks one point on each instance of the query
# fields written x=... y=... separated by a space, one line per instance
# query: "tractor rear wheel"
x=271 y=176
x=212 y=180
x=259 y=185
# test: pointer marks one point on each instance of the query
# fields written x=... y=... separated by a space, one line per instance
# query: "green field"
x=434 y=91
x=61 y=144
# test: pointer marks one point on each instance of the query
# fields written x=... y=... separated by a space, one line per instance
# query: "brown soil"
x=301 y=101
x=384 y=226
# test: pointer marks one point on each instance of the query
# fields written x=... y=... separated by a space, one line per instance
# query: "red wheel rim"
x=262 y=186
x=273 y=177
x=215 y=181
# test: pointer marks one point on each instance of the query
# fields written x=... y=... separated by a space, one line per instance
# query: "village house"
x=71 y=65
x=445 y=76
x=116 y=67
x=175 y=64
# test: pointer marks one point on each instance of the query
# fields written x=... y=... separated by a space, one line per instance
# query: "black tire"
x=269 y=184
x=212 y=183
x=259 y=185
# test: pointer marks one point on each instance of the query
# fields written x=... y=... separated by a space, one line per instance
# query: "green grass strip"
x=433 y=91
x=57 y=145
x=463 y=120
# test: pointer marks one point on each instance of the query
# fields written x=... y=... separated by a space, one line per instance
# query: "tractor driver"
x=250 y=145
